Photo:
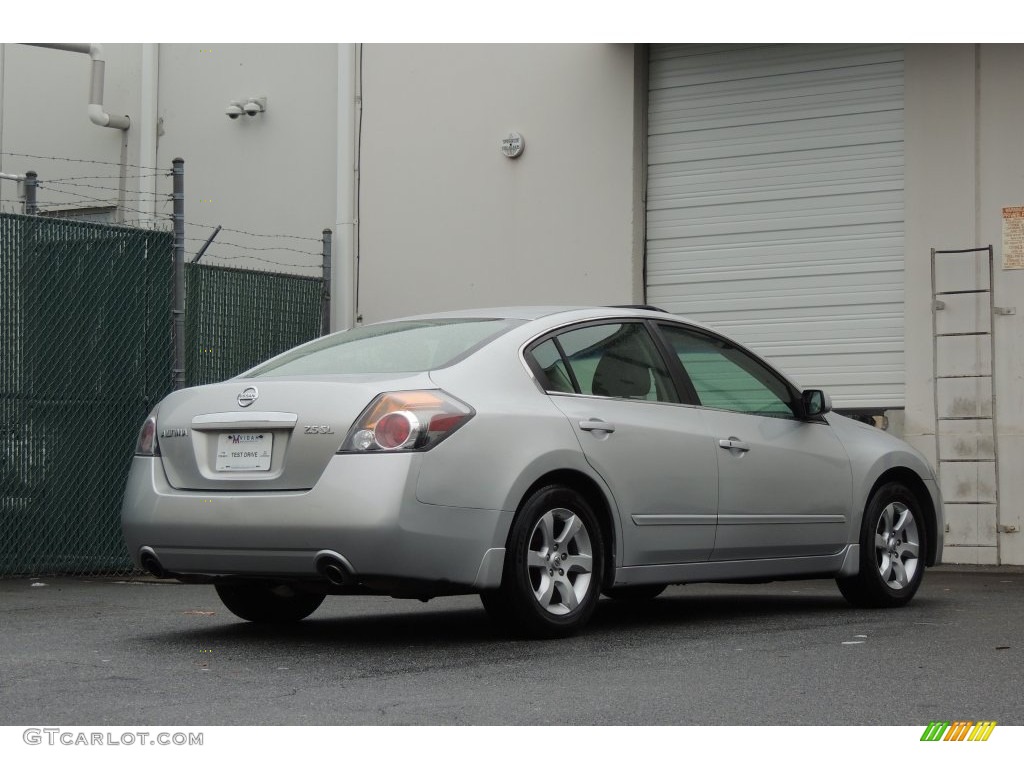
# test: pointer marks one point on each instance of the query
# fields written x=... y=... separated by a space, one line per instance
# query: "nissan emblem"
x=248 y=396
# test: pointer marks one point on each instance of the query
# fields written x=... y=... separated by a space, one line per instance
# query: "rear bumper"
x=363 y=508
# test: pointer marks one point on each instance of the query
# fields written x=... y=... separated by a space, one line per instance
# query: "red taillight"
x=396 y=429
x=446 y=422
x=406 y=421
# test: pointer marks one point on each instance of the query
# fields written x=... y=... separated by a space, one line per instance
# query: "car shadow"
x=470 y=626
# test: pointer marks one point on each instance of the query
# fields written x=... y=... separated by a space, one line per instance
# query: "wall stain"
x=964 y=488
x=966 y=406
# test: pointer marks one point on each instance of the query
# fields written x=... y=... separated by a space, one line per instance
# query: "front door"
x=785 y=486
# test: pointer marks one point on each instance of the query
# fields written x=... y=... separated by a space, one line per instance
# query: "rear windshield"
x=411 y=346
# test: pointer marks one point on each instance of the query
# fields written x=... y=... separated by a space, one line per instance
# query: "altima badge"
x=248 y=396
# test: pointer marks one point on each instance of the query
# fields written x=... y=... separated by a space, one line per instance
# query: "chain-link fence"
x=237 y=318
x=84 y=353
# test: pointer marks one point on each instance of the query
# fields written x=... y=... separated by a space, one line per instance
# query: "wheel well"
x=914 y=482
x=592 y=492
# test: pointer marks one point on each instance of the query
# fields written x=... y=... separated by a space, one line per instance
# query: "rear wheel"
x=268 y=603
x=553 y=566
x=637 y=593
x=892 y=550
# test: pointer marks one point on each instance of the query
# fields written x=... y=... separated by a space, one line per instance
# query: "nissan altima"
x=540 y=457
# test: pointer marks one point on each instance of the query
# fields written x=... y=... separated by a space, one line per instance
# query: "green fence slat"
x=235 y=319
x=85 y=353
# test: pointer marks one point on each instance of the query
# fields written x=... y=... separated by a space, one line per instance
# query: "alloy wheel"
x=897 y=545
x=560 y=561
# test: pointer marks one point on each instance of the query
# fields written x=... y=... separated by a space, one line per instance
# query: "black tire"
x=893 y=549
x=268 y=603
x=554 y=527
x=637 y=593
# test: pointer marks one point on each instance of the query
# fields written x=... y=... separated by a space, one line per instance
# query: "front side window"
x=727 y=378
x=609 y=360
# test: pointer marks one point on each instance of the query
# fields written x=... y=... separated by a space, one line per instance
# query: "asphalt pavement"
x=142 y=652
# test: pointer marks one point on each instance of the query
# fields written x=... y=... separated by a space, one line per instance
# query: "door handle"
x=733 y=444
x=596 y=425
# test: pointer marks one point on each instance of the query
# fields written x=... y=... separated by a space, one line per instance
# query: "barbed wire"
x=254 y=247
x=48 y=183
x=106 y=202
x=109 y=176
x=168 y=199
x=81 y=160
x=162 y=197
x=149 y=223
x=209 y=257
x=256 y=234
x=158 y=219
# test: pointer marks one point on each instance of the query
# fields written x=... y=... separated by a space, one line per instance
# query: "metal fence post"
x=31 y=183
x=178 y=308
x=325 y=309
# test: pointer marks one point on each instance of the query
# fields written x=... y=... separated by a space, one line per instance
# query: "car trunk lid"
x=264 y=434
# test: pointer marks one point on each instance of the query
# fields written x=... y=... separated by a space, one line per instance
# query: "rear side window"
x=608 y=360
x=551 y=364
x=403 y=347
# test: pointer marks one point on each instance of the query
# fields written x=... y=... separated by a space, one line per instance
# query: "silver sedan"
x=538 y=456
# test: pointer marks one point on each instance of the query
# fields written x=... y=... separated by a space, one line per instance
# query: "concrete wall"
x=273 y=174
x=447 y=221
x=1001 y=171
x=965 y=162
x=45 y=94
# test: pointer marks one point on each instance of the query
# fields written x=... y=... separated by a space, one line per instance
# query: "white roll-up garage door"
x=775 y=206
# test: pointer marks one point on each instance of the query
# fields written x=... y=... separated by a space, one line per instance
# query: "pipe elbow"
x=98 y=116
x=103 y=119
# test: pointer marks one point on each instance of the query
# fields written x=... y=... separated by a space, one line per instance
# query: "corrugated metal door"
x=775 y=206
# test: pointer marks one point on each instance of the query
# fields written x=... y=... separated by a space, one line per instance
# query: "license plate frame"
x=244 y=451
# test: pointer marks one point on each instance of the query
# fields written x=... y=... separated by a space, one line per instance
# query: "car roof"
x=528 y=313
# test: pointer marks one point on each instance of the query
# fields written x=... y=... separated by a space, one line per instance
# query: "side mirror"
x=815 y=403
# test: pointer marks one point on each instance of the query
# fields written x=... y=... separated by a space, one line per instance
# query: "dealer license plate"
x=244 y=451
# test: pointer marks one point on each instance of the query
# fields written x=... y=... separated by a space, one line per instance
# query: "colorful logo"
x=958 y=730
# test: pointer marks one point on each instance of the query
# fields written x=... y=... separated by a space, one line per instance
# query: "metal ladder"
x=965 y=402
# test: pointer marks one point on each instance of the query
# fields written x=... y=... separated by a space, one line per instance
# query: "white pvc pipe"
x=147 y=133
x=96 y=112
x=343 y=273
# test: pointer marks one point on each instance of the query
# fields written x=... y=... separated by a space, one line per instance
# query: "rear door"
x=784 y=483
x=653 y=451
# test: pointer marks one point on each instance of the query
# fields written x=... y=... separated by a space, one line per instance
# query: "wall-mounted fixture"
x=252 y=106
x=512 y=146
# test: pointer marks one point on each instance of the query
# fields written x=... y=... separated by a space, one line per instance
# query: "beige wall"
x=275 y=174
x=1002 y=175
x=45 y=100
x=447 y=221
x=965 y=162
x=271 y=174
